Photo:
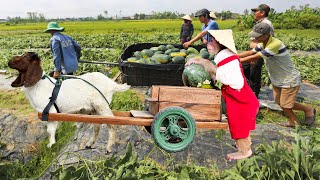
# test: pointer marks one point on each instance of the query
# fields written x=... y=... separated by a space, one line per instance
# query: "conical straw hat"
x=225 y=38
x=187 y=17
x=212 y=15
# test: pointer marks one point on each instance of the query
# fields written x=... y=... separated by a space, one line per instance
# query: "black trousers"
x=253 y=74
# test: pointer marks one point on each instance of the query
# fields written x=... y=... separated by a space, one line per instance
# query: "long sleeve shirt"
x=66 y=52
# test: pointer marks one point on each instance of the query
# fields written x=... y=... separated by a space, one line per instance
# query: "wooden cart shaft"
x=121 y=118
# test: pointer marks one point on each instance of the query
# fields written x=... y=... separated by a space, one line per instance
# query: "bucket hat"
x=259 y=30
x=225 y=38
x=212 y=15
x=187 y=17
x=54 y=26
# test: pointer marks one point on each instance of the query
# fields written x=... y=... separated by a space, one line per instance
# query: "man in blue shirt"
x=65 y=50
x=209 y=24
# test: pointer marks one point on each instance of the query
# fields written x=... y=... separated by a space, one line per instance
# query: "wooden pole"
x=122 y=120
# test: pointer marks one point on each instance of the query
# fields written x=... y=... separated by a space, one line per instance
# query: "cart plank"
x=122 y=113
x=190 y=95
x=141 y=114
x=212 y=125
x=200 y=112
x=117 y=120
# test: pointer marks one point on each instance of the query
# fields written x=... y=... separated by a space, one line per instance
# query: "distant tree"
x=246 y=12
x=41 y=17
x=142 y=16
x=136 y=16
x=32 y=16
x=100 y=17
x=226 y=15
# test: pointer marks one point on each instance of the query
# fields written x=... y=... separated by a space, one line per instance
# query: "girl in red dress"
x=241 y=103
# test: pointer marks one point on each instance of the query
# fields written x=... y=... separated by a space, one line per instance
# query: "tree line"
x=302 y=17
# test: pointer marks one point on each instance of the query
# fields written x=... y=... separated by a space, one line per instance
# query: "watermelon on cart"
x=195 y=74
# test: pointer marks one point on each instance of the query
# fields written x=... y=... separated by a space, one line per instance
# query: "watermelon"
x=175 y=50
x=146 y=53
x=163 y=48
x=203 y=49
x=158 y=52
x=211 y=56
x=168 y=51
x=170 y=46
x=154 y=49
x=192 y=50
x=174 y=54
x=178 y=60
x=204 y=54
x=137 y=54
x=195 y=74
x=132 y=59
x=183 y=50
x=162 y=58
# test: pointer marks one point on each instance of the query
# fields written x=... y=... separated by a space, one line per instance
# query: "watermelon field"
x=105 y=41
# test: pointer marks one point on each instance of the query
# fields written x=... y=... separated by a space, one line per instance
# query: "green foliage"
x=15 y=100
x=126 y=101
x=280 y=160
x=302 y=18
x=128 y=167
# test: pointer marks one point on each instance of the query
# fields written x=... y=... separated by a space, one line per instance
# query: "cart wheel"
x=173 y=129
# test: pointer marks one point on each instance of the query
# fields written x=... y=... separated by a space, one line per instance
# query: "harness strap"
x=227 y=60
x=52 y=101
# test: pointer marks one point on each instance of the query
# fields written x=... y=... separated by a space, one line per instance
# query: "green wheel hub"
x=173 y=129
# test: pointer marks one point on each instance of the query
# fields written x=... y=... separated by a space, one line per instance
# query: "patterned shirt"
x=281 y=69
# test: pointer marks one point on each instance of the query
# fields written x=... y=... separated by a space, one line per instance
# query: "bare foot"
x=239 y=155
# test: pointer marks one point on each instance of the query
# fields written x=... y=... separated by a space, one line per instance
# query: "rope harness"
x=56 y=90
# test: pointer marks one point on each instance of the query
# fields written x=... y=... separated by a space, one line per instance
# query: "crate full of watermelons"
x=148 y=64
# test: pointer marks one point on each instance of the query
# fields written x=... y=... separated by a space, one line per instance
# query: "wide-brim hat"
x=54 y=26
x=187 y=17
x=224 y=37
x=212 y=15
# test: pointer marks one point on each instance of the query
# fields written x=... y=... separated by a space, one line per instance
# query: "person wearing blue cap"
x=208 y=24
x=65 y=50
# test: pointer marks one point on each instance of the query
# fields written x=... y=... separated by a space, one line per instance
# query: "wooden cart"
x=174 y=114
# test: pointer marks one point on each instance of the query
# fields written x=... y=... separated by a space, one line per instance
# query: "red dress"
x=242 y=106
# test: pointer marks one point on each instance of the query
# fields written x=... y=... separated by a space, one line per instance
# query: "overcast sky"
x=92 y=8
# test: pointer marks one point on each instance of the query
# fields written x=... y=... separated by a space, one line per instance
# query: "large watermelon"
x=195 y=74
